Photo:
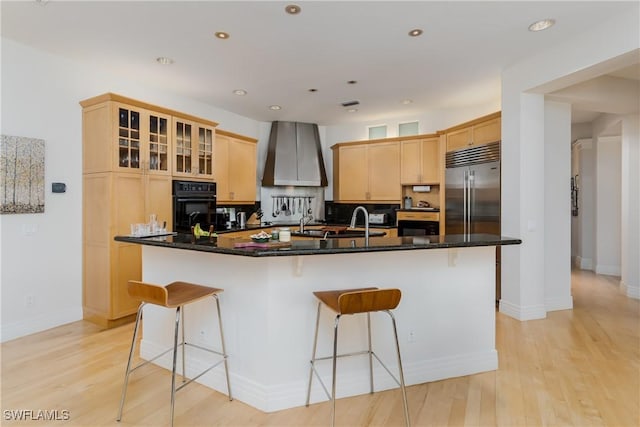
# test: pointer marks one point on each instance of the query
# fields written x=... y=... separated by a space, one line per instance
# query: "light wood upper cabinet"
x=367 y=172
x=193 y=149
x=477 y=132
x=235 y=168
x=126 y=138
x=420 y=161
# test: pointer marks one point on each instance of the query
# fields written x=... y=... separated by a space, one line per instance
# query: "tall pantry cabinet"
x=127 y=173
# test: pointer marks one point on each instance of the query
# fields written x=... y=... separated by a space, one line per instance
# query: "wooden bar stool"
x=175 y=295
x=354 y=301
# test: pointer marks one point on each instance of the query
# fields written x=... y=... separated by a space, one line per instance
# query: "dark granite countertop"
x=318 y=246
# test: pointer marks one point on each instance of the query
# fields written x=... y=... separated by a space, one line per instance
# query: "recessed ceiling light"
x=313 y=90
x=275 y=107
x=352 y=82
x=543 y=24
x=415 y=32
x=293 y=9
x=240 y=92
x=406 y=101
x=352 y=110
x=164 y=60
x=222 y=35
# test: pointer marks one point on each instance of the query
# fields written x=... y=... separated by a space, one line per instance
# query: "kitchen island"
x=446 y=319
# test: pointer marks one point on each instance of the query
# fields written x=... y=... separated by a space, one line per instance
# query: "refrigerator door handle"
x=464 y=201
x=472 y=192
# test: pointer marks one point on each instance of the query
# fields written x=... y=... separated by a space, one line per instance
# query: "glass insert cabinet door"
x=183 y=147
x=128 y=139
x=158 y=143
x=205 y=151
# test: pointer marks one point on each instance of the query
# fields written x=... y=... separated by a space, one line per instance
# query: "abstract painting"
x=21 y=175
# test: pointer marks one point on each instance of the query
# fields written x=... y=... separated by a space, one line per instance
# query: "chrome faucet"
x=354 y=217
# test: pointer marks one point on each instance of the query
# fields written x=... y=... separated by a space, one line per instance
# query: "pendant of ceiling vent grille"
x=350 y=103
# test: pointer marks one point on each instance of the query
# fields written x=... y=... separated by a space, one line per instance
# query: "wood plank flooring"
x=577 y=367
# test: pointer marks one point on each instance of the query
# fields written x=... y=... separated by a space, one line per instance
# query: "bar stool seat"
x=174 y=295
x=356 y=301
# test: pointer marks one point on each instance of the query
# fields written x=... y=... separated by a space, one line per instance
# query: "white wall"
x=630 y=206
x=557 y=206
x=594 y=52
x=584 y=222
x=608 y=199
x=40 y=99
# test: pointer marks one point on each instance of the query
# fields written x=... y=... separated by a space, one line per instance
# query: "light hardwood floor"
x=578 y=367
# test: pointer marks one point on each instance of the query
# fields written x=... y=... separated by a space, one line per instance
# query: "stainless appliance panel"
x=455 y=204
x=473 y=199
x=484 y=198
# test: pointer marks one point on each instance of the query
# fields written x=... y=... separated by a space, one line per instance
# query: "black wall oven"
x=193 y=202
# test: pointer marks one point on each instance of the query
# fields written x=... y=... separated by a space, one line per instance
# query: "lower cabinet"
x=112 y=202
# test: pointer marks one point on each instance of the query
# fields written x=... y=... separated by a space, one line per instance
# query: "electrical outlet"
x=412 y=336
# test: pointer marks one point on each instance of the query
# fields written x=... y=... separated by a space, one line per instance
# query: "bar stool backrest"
x=148 y=292
x=369 y=300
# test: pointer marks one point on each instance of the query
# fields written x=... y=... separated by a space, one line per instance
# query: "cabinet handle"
x=232 y=195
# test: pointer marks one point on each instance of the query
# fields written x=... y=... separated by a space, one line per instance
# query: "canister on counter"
x=285 y=234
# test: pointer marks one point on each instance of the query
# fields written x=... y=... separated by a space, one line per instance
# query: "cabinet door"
x=410 y=161
x=204 y=150
x=221 y=168
x=128 y=155
x=354 y=173
x=486 y=132
x=459 y=139
x=430 y=161
x=183 y=148
x=242 y=171
x=384 y=172
x=158 y=199
x=157 y=144
x=129 y=202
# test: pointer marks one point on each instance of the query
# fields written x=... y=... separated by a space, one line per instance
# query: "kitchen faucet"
x=354 y=217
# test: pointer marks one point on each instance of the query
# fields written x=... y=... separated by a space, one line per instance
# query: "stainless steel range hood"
x=294 y=156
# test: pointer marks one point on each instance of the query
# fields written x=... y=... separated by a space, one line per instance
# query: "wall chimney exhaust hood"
x=294 y=156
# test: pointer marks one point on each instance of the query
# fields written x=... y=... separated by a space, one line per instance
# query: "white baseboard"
x=608 y=270
x=522 y=313
x=292 y=394
x=584 y=263
x=559 y=303
x=39 y=323
x=630 y=291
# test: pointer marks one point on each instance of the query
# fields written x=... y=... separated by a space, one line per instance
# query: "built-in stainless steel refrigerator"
x=472 y=188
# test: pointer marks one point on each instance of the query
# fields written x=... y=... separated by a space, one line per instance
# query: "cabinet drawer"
x=418 y=216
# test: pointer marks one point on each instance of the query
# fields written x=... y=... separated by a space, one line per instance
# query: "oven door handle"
x=181 y=200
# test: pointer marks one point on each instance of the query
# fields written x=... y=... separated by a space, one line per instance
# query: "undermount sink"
x=332 y=235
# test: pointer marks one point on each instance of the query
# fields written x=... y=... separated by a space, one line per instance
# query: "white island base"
x=446 y=318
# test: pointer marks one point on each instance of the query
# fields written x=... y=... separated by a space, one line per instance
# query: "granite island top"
x=305 y=246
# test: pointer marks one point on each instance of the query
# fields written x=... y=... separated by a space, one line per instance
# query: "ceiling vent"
x=350 y=103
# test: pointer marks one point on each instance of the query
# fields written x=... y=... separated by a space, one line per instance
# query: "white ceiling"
x=277 y=57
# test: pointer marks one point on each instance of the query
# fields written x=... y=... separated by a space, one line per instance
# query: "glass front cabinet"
x=193 y=149
x=143 y=140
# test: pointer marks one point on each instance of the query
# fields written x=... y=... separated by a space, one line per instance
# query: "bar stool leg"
x=370 y=352
x=335 y=360
x=128 y=371
x=313 y=354
x=175 y=357
x=224 y=349
x=184 y=378
x=402 y=387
